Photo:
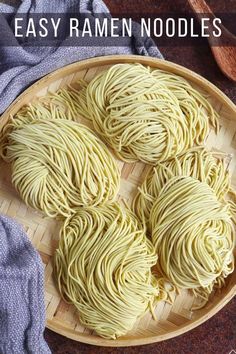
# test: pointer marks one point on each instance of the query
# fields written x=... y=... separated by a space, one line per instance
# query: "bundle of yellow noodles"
x=193 y=235
x=196 y=162
x=103 y=267
x=146 y=115
x=58 y=165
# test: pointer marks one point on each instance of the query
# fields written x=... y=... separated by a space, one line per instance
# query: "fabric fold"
x=22 y=309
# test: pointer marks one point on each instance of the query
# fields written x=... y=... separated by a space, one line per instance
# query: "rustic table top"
x=217 y=335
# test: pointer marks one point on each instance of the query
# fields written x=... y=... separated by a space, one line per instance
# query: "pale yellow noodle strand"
x=58 y=164
x=143 y=114
x=232 y=203
x=63 y=104
x=193 y=235
x=192 y=103
x=103 y=267
x=146 y=115
x=197 y=162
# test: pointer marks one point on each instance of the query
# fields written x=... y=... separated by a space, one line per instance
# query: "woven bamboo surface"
x=43 y=232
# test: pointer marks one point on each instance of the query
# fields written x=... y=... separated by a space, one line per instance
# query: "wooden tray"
x=43 y=232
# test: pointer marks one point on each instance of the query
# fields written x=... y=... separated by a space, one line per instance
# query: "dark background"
x=217 y=335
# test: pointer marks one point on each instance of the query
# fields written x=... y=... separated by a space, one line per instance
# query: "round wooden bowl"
x=62 y=318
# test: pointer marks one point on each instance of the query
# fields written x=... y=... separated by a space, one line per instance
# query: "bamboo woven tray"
x=43 y=232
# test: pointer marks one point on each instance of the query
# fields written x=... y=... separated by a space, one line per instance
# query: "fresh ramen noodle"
x=193 y=235
x=103 y=267
x=146 y=115
x=58 y=165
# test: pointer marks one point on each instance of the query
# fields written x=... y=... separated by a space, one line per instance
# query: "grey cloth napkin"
x=22 y=313
x=19 y=67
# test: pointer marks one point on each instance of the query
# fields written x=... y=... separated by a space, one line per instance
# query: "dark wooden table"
x=217 y=335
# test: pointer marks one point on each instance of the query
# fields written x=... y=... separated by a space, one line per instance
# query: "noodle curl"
x=58 y=165
x=103 y=267
x=145 y=114
x=197 y=162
